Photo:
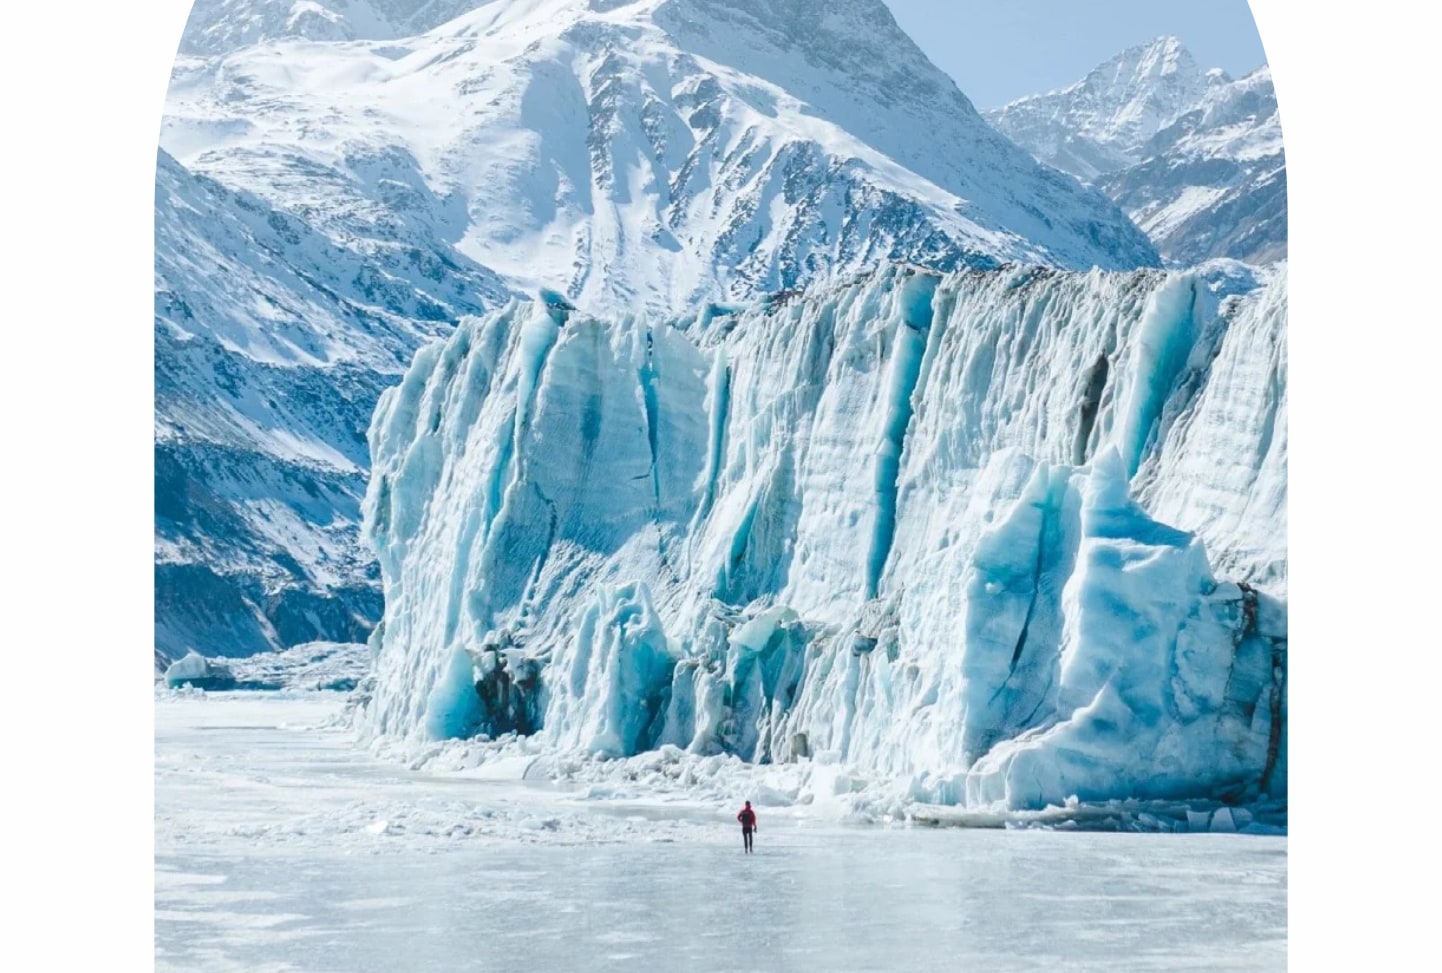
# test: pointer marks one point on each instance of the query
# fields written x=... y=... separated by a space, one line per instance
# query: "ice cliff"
x=1005 y=536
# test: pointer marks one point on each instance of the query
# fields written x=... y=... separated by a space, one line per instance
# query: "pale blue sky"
x=999 y=50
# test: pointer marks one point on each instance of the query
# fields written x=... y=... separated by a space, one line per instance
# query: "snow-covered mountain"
x=1006 y=537
x=1101 y=123
x=221 y=26
x=271 y=345
x=1214 y=182
x=350 y=178
x=1194 y=157
x=652 y=154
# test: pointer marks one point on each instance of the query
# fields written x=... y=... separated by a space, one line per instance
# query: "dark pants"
x=746 y=836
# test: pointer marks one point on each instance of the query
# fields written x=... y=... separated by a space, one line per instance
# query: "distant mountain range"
x=1194 y=157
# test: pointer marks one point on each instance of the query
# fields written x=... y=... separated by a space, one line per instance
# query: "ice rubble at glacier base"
x=937 y=541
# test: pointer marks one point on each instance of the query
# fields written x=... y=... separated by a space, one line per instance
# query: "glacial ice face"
x=960 y=531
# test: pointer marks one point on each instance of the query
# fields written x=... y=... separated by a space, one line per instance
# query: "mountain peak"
x=1162 y=60
x=1165 y=46
x=858 y=38
x=1111 y=112
x=653 y=153
x=1194 y=157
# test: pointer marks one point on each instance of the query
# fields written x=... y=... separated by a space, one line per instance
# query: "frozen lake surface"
x=280 y=847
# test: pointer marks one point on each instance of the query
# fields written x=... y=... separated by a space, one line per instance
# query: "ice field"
x=282 y=847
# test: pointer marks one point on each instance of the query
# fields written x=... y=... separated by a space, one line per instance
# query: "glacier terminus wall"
x=1008 y=536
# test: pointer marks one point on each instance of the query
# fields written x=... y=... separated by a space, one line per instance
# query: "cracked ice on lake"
x=280 y=846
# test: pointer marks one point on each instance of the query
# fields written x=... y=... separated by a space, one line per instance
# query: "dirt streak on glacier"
x=1002 y=537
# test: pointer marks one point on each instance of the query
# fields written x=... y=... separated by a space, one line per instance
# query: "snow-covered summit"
x=1214 y=182
x=221 y=26
x=653 y=154
x=1101 y=123
x=1236 y=120
x=1194 y=157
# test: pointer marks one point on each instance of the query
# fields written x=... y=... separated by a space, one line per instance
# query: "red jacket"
x=747 y=817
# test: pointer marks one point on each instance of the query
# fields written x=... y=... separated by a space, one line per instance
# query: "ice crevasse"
x=1007 y=536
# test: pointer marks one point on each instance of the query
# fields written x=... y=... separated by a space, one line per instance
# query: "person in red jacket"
x=747 y=817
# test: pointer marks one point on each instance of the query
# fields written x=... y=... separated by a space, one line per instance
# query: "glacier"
x=1003 y=538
